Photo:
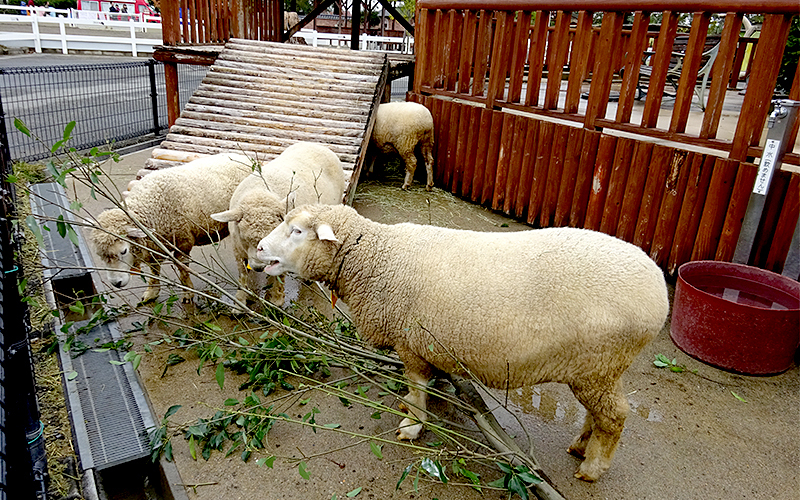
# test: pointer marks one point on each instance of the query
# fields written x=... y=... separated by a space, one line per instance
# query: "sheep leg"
x=276 y=291
x=411 y=166
x=153 y=283
x=608 y=408
x=578 y=447
x=418 y=372
x=427 y=152
x=186 y=281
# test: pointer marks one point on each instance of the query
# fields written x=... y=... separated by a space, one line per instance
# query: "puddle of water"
x=545 y=403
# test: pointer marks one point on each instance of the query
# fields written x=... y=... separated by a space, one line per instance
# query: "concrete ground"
x=709 y=435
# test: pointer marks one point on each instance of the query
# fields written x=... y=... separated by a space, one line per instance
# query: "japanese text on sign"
x=767 y=166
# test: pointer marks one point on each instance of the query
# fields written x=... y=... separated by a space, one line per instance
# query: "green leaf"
x=77 y=308
x=68 y=130
x=376 y=415
x=136 y=360
x=55 y=147
x=72 y=375
x=332 y=426
x=268 y=461
x=231 y=402
x=12 y=179
x=434 y=469
x=676 y=369
x=220 y=375
x=115 y=362
x=498 y=483
x=515 y=485
x=19 y=125
x=192 y=450
x=171 y=411
x=738 y=397
x=505 y=467
x=403 y=476
x=353 y=493
x=168 y=451
x=376 y=450
x=30 y=221
x=301 y=468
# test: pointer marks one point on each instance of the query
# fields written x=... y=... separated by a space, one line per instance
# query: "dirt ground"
x=687 y=436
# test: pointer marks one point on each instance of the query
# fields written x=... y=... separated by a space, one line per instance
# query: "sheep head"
x=304 y=244
x=248 y=226
x=112 y=243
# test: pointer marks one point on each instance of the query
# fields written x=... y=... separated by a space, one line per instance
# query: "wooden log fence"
x=675 y=204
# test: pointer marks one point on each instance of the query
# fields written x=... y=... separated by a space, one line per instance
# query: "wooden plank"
x=618 y=179
x=453 y=54
x=740 y=197
x=461 y=146
x=500 y=57
x=634 y=191
x=518 y=147
x=541 y=163
x=555 y=168
x=660 y=162
x=504 y=161
x=720 y=74
x=555 y=66
x=481 y=157
x=519 y=54
x=468 y=50
x=527 y=168
x=424 y=50
x=440 y=45
x=471 y=151
x=702 y=167
x=492 y=155
x=608 y=43
x=784 y=229
x=719 y=193
x=583 y=181
x=630 y=81
x=441 y=123
x=452 y=143
x=688 y=78
x=579 y=61
x=536 y=57
x=674 y=190
x=599 y=182
x=482 y=46
x=658 y=76
x=766 y=64
x=569 y=176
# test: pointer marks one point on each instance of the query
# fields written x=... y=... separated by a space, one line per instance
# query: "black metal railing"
x=110 y=103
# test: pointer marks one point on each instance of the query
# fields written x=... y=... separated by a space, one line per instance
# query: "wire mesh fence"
x=110 y=103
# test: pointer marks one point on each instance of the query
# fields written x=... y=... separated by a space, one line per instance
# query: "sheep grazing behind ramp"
x=304 y=173
x=175 y=205
x=400 y=127
x=550 y=305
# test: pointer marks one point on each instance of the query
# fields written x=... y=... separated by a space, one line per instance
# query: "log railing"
x=561 y=58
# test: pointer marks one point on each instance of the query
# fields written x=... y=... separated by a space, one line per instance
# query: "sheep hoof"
x=429 y=188
x=583 y=477
x=408 y=430
x=405 y=187
x=402 y=407
x=576 y=452
x=149 y=297
x=591 y=470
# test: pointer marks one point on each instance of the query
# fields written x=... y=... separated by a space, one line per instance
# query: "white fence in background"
x=136 y=34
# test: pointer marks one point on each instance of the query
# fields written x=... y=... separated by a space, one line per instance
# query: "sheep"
x=304 y=173
x=519 y=308
x=175 y=205
x=400 y=127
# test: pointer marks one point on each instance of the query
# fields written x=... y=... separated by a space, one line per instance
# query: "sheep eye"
x=124 y=251
x=296 y=230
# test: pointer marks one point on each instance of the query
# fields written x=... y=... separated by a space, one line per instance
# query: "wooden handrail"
x=750 y=7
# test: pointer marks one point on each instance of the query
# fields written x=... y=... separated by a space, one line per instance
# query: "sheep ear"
x=135 y=232
x=227 y=216
x=290 y=202
x=325 y=233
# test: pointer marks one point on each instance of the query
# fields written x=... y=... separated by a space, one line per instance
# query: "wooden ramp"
x=258 y=98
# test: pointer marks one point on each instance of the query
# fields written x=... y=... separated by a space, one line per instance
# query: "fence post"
x=151 y=65
x=37 y=38
x=63 y=33
x=5 y=149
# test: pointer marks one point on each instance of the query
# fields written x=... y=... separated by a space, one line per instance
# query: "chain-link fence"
x=110 y=103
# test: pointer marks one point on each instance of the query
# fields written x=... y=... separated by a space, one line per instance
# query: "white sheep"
x=518 y=308
x=400 y=127
x=304 y=173
x=175 y=204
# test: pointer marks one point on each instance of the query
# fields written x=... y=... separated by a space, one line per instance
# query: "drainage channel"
x=107 y=404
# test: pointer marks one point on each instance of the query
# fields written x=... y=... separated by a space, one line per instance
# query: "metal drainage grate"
x=109 y=411
x=110 y=415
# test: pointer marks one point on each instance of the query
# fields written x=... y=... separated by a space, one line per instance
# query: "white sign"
x=767 y=166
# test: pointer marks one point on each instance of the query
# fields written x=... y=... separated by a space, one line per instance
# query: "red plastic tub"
x=736 y=317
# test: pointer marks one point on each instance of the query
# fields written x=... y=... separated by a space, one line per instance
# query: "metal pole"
x=355 y=25
x=780 y=125
x=151 y=65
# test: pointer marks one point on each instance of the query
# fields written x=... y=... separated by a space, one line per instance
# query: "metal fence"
x=110 y=103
